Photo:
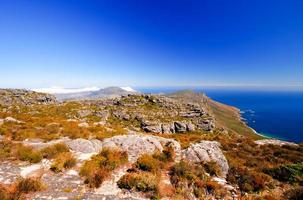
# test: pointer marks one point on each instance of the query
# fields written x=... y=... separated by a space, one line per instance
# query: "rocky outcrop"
x=84 y=146
x=206 y=151
x=168 y=128
x=10 y=97
x=136 y=145
x=206 y=125
x=275 y=142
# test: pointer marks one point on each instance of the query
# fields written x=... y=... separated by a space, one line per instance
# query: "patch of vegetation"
x=187 y=177
x=247 y=180
x=212 y=168
x=17 y=190
x=51 y=151
x=294 y=194
x=143 y=182
x=25 y=153
x=148 y=163
x=5 y=193
x=291 y=173
x=27 y=185
x=62 y=161
x=100 y=166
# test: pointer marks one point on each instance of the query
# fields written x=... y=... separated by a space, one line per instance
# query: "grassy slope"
x=229 y=117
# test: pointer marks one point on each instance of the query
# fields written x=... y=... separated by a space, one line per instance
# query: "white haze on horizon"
x=61 y=90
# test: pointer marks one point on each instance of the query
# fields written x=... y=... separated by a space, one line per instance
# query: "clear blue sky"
x=73 y=43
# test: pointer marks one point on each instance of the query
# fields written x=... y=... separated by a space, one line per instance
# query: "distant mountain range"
x=86 y=93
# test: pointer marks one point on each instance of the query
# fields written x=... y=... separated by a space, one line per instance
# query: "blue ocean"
x=277 y=114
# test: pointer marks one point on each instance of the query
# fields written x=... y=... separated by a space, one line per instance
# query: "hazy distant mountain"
x=87 y=93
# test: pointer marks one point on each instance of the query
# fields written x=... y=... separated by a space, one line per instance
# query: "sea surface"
x=277 y=114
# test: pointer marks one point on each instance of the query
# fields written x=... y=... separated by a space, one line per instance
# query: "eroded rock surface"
x=206 y=151
x=84 y=146
x=136 y=145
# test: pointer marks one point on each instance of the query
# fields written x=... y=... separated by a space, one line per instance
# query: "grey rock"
x=180 y=127
x=190 y=127
x=85 y=146
x=121 y=115
x=9 y=172
x=84 y=113
x=168 y=128
x=136 y=145
x=104 y=114
x=10 y=97
x=206 y=125
x=206 y=151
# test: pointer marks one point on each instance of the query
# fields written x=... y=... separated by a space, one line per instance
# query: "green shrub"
x=62 y=161
x=291 y=173
x=51 y=151
x=28 y=154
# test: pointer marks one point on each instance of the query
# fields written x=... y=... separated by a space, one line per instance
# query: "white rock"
x=11 y=119
x=83 y=125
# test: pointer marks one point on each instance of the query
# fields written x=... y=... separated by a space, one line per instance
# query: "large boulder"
x=136 y=145
x=206 y=151
x=180 y=127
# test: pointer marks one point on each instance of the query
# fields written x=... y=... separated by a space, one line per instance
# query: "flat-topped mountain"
x=182 y=145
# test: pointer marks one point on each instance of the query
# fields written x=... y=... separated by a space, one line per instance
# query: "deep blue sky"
x=150 y=43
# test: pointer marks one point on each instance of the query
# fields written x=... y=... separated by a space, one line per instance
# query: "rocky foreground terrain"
x=136 y=146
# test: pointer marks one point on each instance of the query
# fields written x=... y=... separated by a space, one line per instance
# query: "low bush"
x=212 y=168
x=27 y=185
x=167 y=155
x=51 y=151
x=148 y=163
x=294 y=194
x=247 y=180
x=4 y=193
x=28 y=154
x=142 y=182
x=6 y=149
x=101 y=165
x=186 y=177
x=62 y=161
x=291 y=173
